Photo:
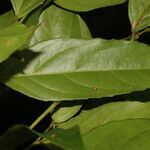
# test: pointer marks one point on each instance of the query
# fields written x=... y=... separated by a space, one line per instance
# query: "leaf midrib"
x=61 y=73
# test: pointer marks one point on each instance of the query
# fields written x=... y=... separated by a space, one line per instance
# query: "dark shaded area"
x=145 y=38
x=109 y=22
x=141 y=96
x=16 y=108
x=5 y=6
x=17 y=137
x=39 y=147
x=20 y=59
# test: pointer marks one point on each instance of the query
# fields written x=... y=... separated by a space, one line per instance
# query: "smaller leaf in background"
x=121 y=135
x=16 y=137
x=55 y=22
x=86 y=5
x=90 y=119
x=24 y=7
x=66 y=110
x=139 y=14
x=68 y=139
x=12 y=38
x=7 y=19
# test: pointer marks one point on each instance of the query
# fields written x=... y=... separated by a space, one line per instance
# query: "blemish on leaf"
x=10 y=42
x=94 y=88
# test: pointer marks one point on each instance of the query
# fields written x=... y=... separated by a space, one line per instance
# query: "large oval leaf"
x=66 y=69
x=12 y=38
x=24 y=7
x=116 y=111
x=139 y=13
x=123 y=135
x=86 y=5
x=58 y=23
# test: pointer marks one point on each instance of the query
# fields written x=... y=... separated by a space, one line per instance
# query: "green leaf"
x=123 y=135
x=15 y=137
x=12 y=38
x=66 y=69
x=66 y=110
x=58 y=23
x=86 y=5
x=115 y=111
x=91 y=68
x=7 y=19
x=69 y=139
x=24 y=7
x=139 y=14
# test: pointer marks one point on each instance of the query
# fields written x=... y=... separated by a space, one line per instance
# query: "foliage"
x=48 y=53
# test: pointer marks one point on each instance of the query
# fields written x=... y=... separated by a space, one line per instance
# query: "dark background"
x=108 y=23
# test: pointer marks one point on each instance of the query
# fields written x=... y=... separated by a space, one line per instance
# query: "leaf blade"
x=80 y=69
